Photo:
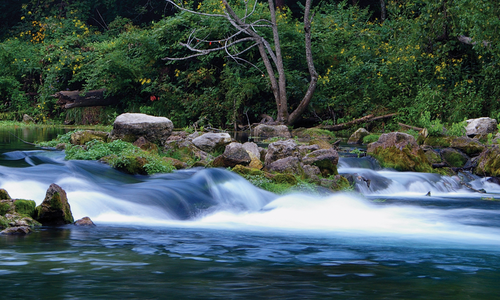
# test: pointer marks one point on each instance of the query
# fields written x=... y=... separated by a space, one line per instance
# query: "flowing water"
x=208 y=233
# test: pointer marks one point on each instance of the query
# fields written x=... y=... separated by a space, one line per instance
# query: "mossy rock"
x=4 y=195
x=489 y=162
x=337 y=183
x=25 y=207
x=313 y=133
x=467 y=145
x=55 y=209
x=402 y=160
x=242 y=170
x=83 y=137
x=6 y=206
x=4 y=222
x=323 y=144
x=285 y=179
x=433 y=156
x=454 y=158
x=434 y=141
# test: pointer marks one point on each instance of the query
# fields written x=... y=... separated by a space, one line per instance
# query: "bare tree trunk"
x=282 y=103
x=310 y=65
x=383 y=10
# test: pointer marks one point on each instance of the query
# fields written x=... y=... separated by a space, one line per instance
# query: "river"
x=209 y=234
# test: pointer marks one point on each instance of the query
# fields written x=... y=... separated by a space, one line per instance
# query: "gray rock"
x=397 y=139
x=130 y=126
x=279 y=150
x=481 y=126
x=357 y=136
x=252 y=147
x=306 y=149
x=235 y=154
x=269 y=131
x=311 y=171
x=289 y=165
x=210 y=142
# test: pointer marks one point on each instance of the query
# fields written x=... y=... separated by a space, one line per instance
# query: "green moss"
x=285 y=179
x=371 y=138
x=454 y=159
x=55 y=201
x=4 y=195
x=25 y=207
x=402 y=160
x=4 y=223
x=433 y=157
x=434 y=141
x=319 y=133
x=5 y=208
x=242 y=170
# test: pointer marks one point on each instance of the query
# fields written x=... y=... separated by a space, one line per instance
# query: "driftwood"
x=71 y=99
x=410 y=127
x=365 y=119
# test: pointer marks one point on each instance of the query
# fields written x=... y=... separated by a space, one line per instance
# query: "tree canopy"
x=427 y=57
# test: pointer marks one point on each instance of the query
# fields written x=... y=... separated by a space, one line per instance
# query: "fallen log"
x=365 y=119
x=72 y=99
x=410 y=127
x=347 y=124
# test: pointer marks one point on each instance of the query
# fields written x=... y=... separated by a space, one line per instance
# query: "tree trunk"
x=383 y=10
x=71 y=99
x=310 y=65
x=282 y=103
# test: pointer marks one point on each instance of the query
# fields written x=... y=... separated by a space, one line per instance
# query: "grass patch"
x=120 y=155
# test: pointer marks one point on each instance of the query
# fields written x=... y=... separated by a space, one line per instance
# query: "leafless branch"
x=194 y=12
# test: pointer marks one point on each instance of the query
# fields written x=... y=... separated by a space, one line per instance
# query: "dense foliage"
x=428 y=60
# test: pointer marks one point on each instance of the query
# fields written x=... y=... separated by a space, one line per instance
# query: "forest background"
x=434 y=59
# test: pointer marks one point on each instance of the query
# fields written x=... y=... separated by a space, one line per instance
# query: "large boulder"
x=399 y=151
x=279 y=150
x=357 y=136
x=481 y=126
x=325 y=159
x=55 y=209
x=270 y=131
x=210 y=142
x=130 y=126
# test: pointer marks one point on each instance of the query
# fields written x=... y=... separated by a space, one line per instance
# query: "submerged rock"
x=130 y=126
x=55 y=209
x=20 y=230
